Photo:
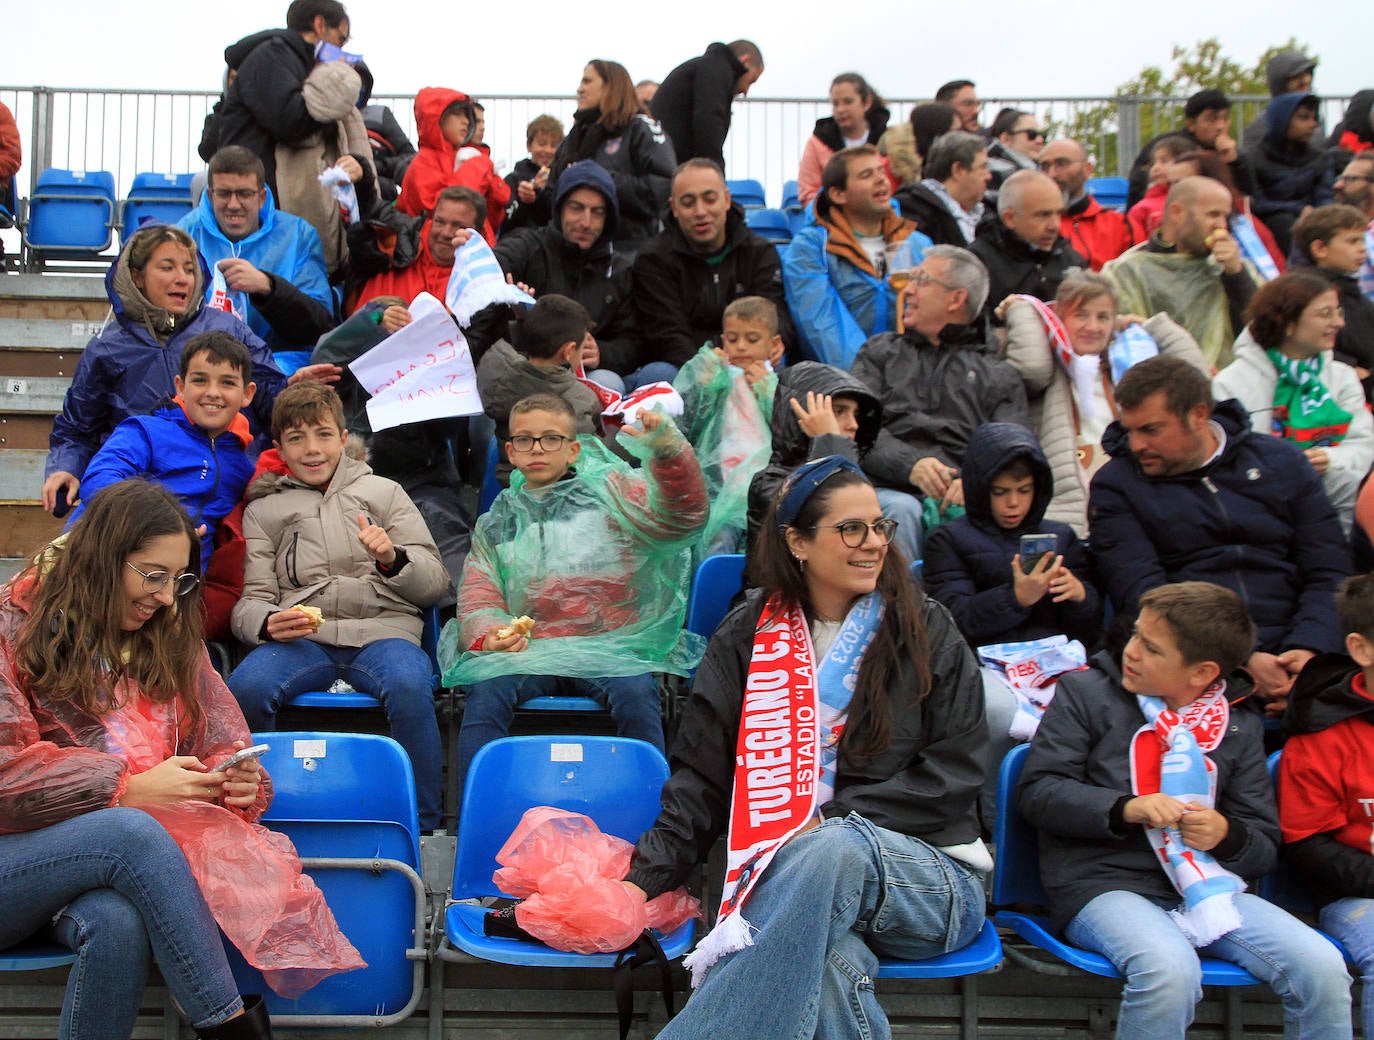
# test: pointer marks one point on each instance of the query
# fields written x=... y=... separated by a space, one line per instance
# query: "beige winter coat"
x=303 y=547
x=1051 y=398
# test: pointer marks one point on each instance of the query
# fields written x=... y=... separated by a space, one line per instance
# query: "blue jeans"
x=610 y=380
x=395 y=671
x=653 y=372
x=1164 y=976
x=1351 y=920
x=906 y=510
x=123 y=895
x=490 y=706
x=833 y=900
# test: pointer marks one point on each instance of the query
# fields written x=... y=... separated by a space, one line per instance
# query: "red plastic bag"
x=570 y=874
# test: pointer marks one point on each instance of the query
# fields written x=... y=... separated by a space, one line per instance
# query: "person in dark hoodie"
x=263 y=101
x=391 y=149
x=693 y=101
x=1286 y=72
x=973 y=564
x=704 y=258
x=573 y=256
x=859 y=116
x=1326 y=782
x=1354 y=134
x=610 y=129
x=1292 y=175
x=820 y=410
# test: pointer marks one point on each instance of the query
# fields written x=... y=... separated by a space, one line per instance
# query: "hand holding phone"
x=239 y=757
x=1033 y=549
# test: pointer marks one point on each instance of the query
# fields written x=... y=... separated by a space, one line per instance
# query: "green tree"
x=1156 y=98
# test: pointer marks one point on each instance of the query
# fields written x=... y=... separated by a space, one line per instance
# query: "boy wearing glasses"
x=597 y=557
x=339 y=565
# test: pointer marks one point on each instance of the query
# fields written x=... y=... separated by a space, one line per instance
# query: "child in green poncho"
x=727 y=393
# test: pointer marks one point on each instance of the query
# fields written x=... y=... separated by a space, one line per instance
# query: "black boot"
x=253 y=1024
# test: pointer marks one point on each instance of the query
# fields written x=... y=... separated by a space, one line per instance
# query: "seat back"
x=614 y=780
x=1017 y=876
x=1110 y=191
x=350 y=796
x=175 y=186
x=71 y=213
x=714 y=585
x=747 y=192
x=771 y=224
x=791 y=196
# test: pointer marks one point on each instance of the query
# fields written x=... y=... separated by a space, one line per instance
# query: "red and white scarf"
x=1084 y=370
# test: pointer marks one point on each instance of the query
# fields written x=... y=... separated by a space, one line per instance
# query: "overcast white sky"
x=905 y=49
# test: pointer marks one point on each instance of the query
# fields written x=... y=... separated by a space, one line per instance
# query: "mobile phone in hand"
x=239 y=757
x=1034 y=547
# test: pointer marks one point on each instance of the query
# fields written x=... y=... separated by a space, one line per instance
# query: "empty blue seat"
x=772 y=224
x=164 y=197
x=71 y=214
x=714 y=585
x=1016 y=882
x=791 y=196
x=747 y=193
x=613 y=780
x=1109 y=191
x=347 y=802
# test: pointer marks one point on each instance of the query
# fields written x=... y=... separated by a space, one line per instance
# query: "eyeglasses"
x=1033 y=135
x=921 y=279
x=156 y=581
x=546 y=442
x=855 y=532
x=244 y=195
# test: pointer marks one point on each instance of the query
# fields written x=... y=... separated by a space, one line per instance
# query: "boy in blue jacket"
x=196 y=447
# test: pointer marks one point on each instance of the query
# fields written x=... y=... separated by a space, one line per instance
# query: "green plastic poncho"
x=729 y=424
x=1188 y=287
x=601 y=560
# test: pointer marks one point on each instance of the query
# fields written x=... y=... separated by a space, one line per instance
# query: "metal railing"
x=130 y=131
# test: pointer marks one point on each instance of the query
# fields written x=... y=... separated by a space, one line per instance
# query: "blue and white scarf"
x=477 y=281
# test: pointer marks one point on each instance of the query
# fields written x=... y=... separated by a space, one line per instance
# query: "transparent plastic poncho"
x=729 y=424
x=600 y=560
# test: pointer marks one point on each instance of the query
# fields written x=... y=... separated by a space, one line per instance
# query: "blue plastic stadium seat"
x=347 y=802
x=429 y=640
x=983 y=954
x=747 y=193
x=163 y=197
x=791 y=196
x=613 y=780
x=772 y=224
x=1016 y=882
x=491 y=487
x=717 y=580
x=34 y=956
x=71 y=214
x=1109 y=191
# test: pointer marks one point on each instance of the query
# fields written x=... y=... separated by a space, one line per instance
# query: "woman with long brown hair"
x=835 y=733
x=611 y=128
x=123 y=836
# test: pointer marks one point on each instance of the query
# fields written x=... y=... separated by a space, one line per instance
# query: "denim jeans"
x=395 y=671
x=1164 y=976
x=490 y=706
x=906 y=510
x=833 y=900
x=1351 y=920
x=653 y=372
x=122 y=894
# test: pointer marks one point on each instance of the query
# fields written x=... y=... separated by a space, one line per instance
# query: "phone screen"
x=1034 y=547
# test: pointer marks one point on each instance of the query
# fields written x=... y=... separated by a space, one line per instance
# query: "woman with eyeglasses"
x=835 y=733
x=1286 y=376
x=121 y=837
x=1015 y=142
x=858 y=115
x=157 y=293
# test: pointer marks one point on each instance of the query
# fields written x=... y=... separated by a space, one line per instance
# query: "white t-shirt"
x=876 y=248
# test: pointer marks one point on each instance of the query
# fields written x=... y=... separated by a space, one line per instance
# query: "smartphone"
x=1034 y=547
x=256 y=751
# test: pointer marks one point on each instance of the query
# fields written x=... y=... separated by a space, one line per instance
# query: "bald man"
x=1192 y=268
x=1022 y=249
x=1098 y=233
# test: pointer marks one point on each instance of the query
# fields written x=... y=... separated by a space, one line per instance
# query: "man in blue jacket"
x=272 y=263
x=1191 y=494
x=835 y=272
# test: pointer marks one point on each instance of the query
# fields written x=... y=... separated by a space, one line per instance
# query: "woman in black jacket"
x=611 y=129
x=835 y=733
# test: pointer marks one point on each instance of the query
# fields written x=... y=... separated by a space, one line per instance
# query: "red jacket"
x=424 y=275
x=1099 y=234
x=432 y=169
x=11 y=153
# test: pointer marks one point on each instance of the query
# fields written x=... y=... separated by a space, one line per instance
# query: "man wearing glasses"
x=271 y=263
x=1098 y=233
x=1022 y=249
x=1355 y=187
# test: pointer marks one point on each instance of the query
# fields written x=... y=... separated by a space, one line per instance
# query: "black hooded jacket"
x=1016 y=266
x=693 y=103
x=682 y=297
x=968 y=561
x=1355 y=132
x=792 y=447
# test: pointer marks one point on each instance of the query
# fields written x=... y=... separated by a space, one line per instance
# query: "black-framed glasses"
x=155 y=581
x=546 y=442
x=1033 y=135
x=855 y=532
x=244 y=195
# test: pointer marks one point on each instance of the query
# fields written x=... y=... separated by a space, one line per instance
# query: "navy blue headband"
x=803 y=482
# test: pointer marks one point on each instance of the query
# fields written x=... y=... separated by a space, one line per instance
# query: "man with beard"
x=1098 y=233
x=1355 y=187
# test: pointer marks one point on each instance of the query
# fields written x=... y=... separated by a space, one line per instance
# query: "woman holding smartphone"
x=121 y=838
